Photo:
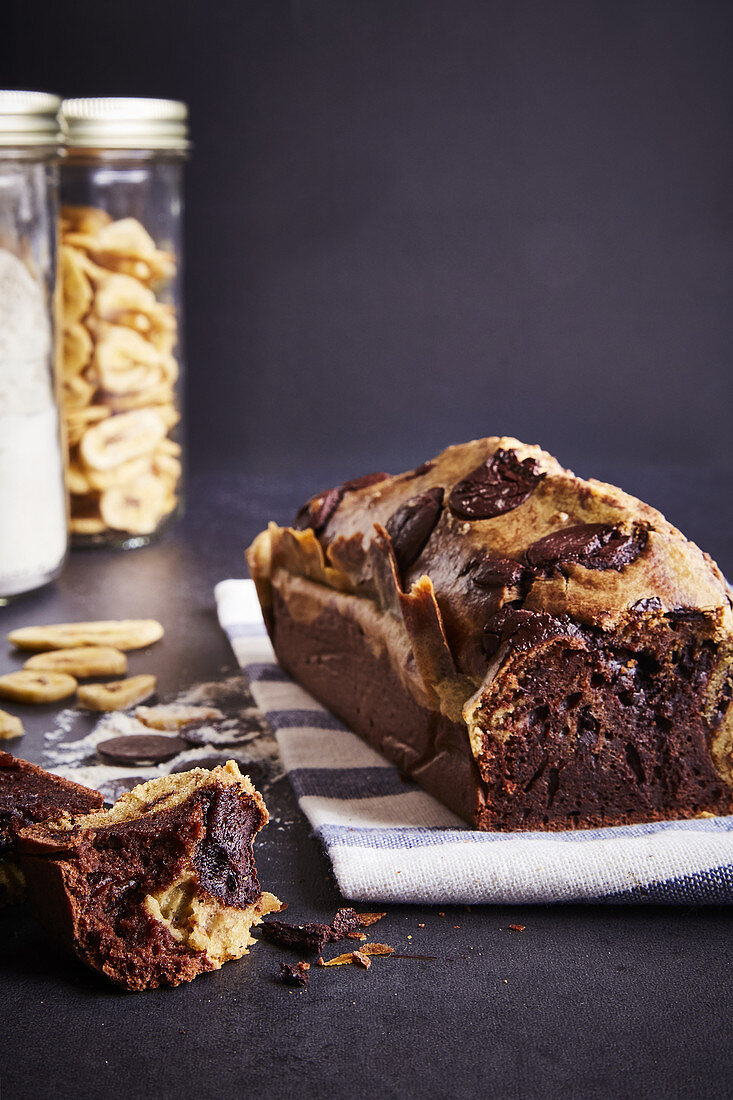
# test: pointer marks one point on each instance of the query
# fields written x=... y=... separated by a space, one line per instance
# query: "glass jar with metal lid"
x=33 y=515
x=121 y=259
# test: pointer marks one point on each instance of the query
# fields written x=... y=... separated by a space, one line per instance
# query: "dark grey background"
x=412 y=222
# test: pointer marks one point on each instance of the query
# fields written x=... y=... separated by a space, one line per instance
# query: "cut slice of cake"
x=30 y=795
x=160 y=888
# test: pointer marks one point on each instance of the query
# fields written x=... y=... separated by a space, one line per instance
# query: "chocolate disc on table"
x=140 y=748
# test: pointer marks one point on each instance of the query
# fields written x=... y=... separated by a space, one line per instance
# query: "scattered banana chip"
x=118 y=633
x=120 y=438
x=36 y=687
x=10 y=726
x=81 y=661
x=172 y=716
x=135 y=507
x=117 y=695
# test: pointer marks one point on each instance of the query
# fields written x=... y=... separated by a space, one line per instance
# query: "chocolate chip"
x=363 y=482
x=412 y=524
x=140 y=748
x=498 y=573
x=592 y=545
x=418 y=471
x=318 y=510
x=525 y=629
x=497 y=486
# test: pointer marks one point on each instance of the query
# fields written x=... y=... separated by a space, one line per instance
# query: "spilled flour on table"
x=243 y=735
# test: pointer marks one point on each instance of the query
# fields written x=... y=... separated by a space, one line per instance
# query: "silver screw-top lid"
x=29 y=119
x=126 y=124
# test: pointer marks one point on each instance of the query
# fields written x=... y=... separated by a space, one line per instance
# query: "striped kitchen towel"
x=390 y=841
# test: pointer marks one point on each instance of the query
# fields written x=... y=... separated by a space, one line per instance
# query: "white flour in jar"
x=32 y=494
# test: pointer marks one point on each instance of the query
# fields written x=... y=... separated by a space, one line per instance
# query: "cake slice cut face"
x=29 y=795
x=160 y=888
x=536 y=650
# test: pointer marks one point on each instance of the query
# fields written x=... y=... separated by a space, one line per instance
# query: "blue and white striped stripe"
x=390 y=841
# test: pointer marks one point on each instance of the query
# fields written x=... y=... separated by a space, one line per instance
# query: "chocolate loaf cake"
x=160 y=888
x=29 y=795
x=535 y=650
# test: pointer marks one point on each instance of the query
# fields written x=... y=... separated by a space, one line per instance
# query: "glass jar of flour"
x=120 y=243
x=33 y=513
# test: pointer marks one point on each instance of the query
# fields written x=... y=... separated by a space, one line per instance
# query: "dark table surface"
x=586 y=1002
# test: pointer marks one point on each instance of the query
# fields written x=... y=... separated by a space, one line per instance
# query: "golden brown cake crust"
x=448 y=569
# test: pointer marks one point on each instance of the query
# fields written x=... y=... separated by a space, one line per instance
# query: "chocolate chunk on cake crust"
x=29 y=795
x=536 y=650
x=160 y=888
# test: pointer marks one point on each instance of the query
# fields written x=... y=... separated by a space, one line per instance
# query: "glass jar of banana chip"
x=122 y=360
x=33 y=531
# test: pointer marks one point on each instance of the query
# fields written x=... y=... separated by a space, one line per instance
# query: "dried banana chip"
x=37 y=687
x=168 y=447
x=168 y=467
x=10 y=726
x=127 y=236
x=78 y=420
x=76 y=479
x=135 y=507
x=118 y=695
x=99 y=480
x=172 y=716
x=86 y=525
x=125 y=362
x=169 y=415
x=157 y=397
x=121 y=634
x=81 y=661
x=85 y=219
x=120 y=438
x=76 y=391
x=118 y=296
x=76 y=289
x=77 y=348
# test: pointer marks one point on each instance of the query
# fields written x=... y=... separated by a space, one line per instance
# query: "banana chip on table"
x=118 y=633
x=10 y=726
x=81 y=661
x=29 y=686
x=118 y=695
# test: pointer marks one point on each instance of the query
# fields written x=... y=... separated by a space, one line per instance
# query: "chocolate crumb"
x=298 y=937
x=517 y=927
x=296 y=974
x=362 y=960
